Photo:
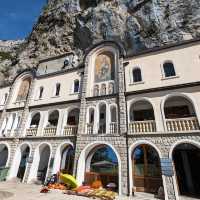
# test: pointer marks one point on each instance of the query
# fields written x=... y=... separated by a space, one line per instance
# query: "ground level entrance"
x=102 y=167
x=186 y=159
x=146 y=169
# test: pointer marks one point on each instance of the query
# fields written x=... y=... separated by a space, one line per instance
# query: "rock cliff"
x=75 y=25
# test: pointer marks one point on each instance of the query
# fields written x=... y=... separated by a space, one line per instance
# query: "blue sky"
x=18 y=16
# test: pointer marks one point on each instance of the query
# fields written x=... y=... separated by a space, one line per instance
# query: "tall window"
x=76 y=86
x=57 y=89
x=137 y=76
x=41 y=92
x=169 y=70
x=5 y=98
x=23 y=90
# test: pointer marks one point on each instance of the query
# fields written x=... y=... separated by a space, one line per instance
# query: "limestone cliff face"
x=75 y=25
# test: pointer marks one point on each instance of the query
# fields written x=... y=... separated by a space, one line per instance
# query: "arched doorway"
x=186 y=158
x=146 y=169
x=67 y=160
x=3 y=155
x=25 y=151
x=102 y=165
x=43 y=165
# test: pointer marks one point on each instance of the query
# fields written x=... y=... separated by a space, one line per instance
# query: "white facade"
x=150 y=99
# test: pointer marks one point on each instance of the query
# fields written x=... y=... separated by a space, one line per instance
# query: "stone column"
x=169 y=188
x=158 y=117
x=122 y=100
x=28 y=166
x=51 y=163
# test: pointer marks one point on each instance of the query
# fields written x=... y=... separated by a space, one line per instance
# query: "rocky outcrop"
x=75 y=25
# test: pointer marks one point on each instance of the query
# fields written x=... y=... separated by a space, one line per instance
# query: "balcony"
x=148 y=126
x=50 y=131
x=90 y=128
x=182 y=124
x=113 y=127
x=70 y=130
x=30 y=132
x=8 y=132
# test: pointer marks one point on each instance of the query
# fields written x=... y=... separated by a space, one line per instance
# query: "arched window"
x=111 y=88
x=96 y=90
x=76 y=86
x=137 y=75
x=41 y=92
x=103 y=89
x=169 y=69
x=4 y=99
x=57 y=93
x=53 y=119
x=23 y=90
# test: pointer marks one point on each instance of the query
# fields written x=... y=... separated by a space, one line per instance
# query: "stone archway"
x=102 y=165
x=146 y=169
x=41 y=162
x=3 y=155
x=186 y=172
x=20 y=161
x=86 y=160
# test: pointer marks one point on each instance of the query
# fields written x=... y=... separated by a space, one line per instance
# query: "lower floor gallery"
x=131 y=165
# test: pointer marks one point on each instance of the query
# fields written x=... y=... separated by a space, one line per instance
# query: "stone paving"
x=19 y=191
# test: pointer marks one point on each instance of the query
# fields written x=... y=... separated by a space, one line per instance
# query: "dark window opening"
x=137 y=76
x=41 y=92
x=143 y=115
x=76 y=86
x=177 y=112
x=169 y=69
x=58 y=89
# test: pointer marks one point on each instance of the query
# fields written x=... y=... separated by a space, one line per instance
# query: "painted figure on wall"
x=104 y=69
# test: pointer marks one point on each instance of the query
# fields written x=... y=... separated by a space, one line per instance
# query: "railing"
x=90 y=129
x=50 y=131
x=16 y=131
x=70 y=130
x=182 y=124
x=31 y=132
x=8 y=132
x=113 y=127
x=142 y=126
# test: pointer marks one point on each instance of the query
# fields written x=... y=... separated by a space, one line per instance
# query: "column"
x=159 y=119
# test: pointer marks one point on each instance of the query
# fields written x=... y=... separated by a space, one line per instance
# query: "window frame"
x=55 y=90
x=73 y=88
x=39 y=94
x=132 y=75
x=163 y=71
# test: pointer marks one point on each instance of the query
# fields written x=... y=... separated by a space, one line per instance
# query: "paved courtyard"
x=19 y=191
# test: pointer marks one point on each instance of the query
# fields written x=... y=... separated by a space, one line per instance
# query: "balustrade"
x=90 y=129
x=8 y=133
x=113 y=127
x=50 y=131
x=31 y=132
x=142 y=126
x=182 y=124
x=70 y=130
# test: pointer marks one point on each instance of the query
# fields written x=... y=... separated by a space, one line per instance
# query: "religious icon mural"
x=104 y=69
